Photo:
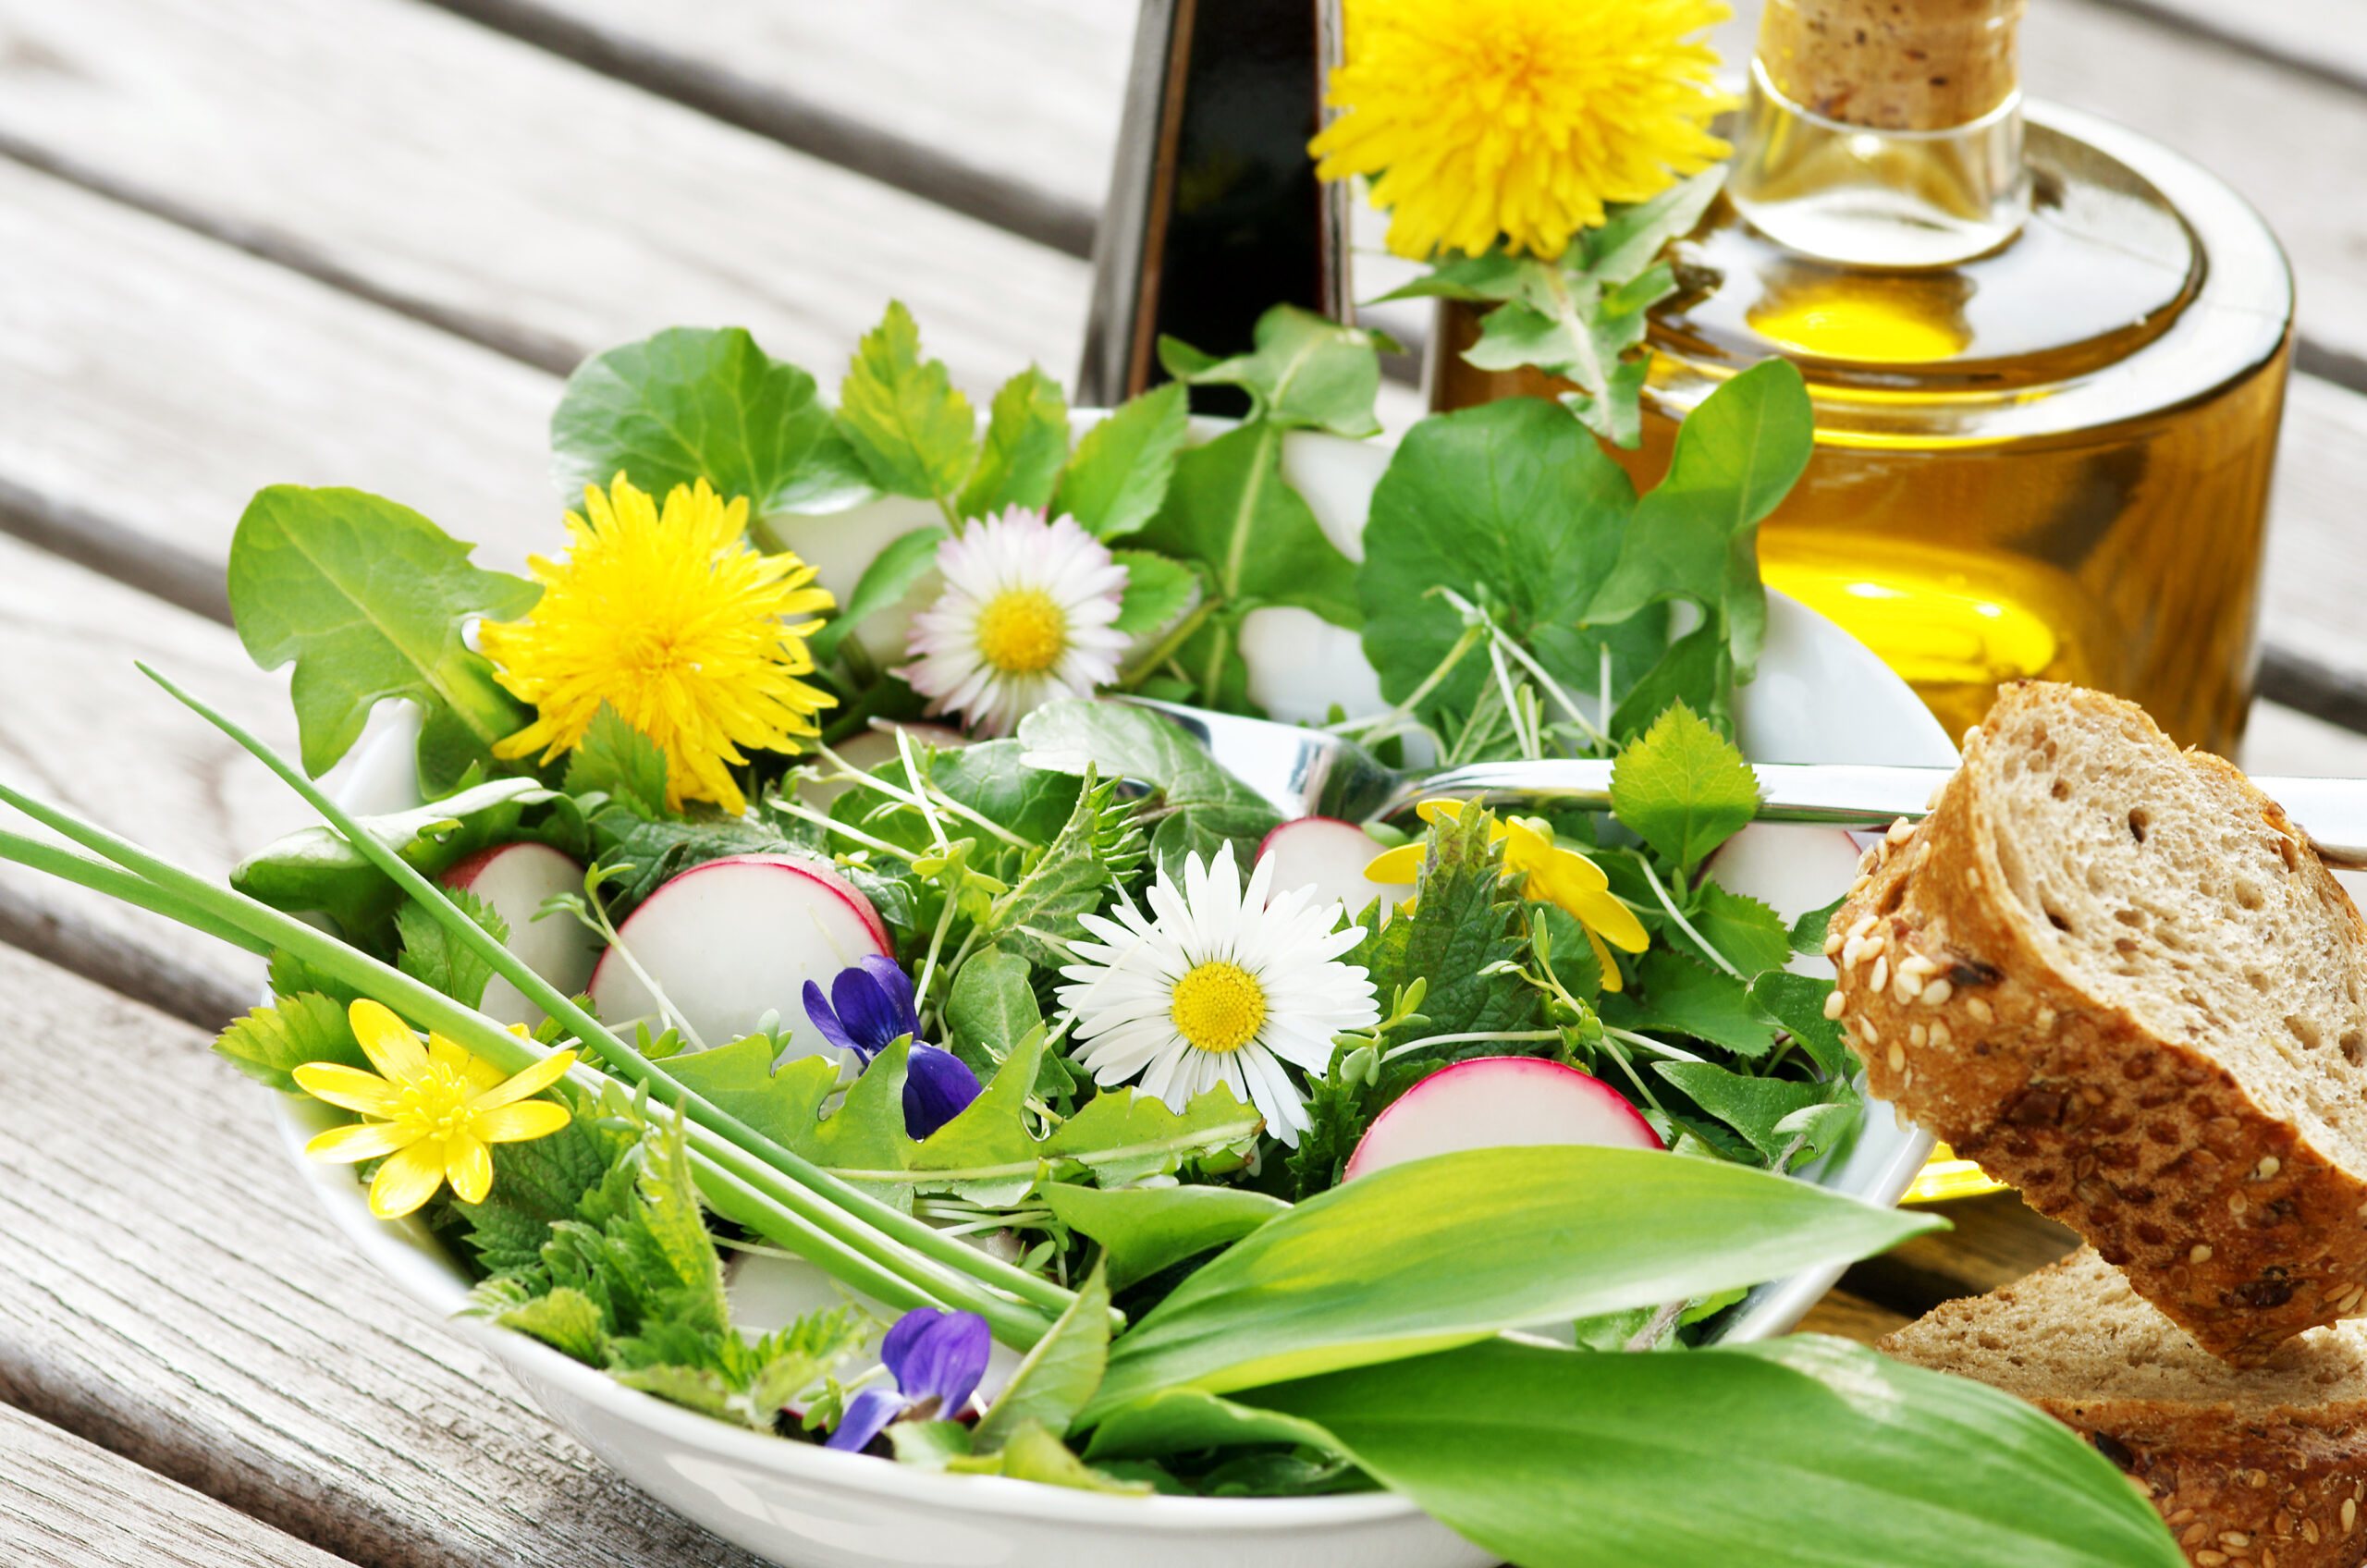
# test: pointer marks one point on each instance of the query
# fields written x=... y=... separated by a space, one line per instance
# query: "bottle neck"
x=1884 y=132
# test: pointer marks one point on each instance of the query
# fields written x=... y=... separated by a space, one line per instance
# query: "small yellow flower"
x=1518 y=119
x=436 y=1109
x=1550 y=874
x=676 y=623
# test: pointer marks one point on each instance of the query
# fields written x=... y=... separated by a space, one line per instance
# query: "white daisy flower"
x=1024 y=618
x=1217 y=986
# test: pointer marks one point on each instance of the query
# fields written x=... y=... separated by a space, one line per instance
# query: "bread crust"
x=2219 y=1212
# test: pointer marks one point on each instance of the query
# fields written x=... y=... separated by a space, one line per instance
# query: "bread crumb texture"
x=2116 y=976
x=2264 y=1466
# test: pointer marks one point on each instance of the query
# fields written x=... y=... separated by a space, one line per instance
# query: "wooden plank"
x=1997 y=1239
x=170 y=1292
x=67 y=1505
x=1848 y=1317
x=525 y=202
x=1006 y=110
x=2322 y=38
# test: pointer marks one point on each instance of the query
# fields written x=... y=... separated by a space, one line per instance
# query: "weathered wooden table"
x=360 y=241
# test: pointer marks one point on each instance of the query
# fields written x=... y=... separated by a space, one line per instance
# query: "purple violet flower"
x=936 y=1359
x=869 y=1008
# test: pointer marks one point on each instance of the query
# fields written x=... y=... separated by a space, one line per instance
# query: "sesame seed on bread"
x=2117 y=976
x=2263 y=1466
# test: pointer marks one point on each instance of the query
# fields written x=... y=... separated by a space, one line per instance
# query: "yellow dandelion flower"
x=676 y=622
x=1550 y=874
x=1518 y=119
x=436 y=1111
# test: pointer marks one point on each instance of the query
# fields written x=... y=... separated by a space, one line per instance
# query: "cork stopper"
x=1891 y=65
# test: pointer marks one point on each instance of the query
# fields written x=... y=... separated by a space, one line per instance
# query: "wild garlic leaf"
x=1183 y=1420
x=1750 y=1106
x=1201 y=804
x=1514 y=507
x=1823 y=1452
x=1117 y=476
x=1675 y=995
x=1683 y=789
x=906 y=559
x=434 y=954
x=1027 y=442
x=913 y=431
x=1696 y=535
x=1056 y=1377
x=620 y=762
x=1141 y=1230
x=1306 y=371
x=1033 y=1454
x=270 y=1043
x=1797 y=1002
x=693 y=403
x=1159 y=589
x=370 y=600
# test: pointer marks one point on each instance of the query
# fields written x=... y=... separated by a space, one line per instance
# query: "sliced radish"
x=517 y=879
x=868 y=748
x=736 y=938
x=1793 y=869
x=1500 y=1102
x=1328 y=855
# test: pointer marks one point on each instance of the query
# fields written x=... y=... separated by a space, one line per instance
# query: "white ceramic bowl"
x=1819 y=696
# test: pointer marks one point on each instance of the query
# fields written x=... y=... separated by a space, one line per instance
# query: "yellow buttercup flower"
x=436 y=1109
x=1549 y=874
x=674 y=621
x=1515 y=120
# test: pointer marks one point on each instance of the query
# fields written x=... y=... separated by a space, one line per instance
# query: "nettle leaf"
x=616 y=760
x=369 y=599
x=883 y=585
x=1797 y=1002
x=1027 y=442
x=1159 y=591
x=914 y=433
x=692 y=403
x=271 y=1042
x=1141 y=1230
x=1464 y=924
x=1683 y=789
x=1201 y=804
x=1117 y=478
x=567 y=1320
x=434 y=954
x=1097 y=849
x=1517 y=508
x=1697 y=534
x=1460 y=1246
x=1676 y=995
x=1753 y=1106
x=1751 y=935
x=1231 y=511
x=1307 y=370
x=1824 y=1455
x=314 y=870
x=1056 y=1377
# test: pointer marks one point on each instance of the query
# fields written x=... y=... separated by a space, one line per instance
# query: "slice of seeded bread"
x=2116 y=976
x=2264 y=1467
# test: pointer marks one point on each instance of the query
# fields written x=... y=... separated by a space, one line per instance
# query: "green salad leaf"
x=1801 y=1453
x=1756 y=1108
x=906 y=559
x=435 y=956
x=1797 y=1002
x=990 y=1008
x=1307 y=370
x=1117 y=478
x=1200 y=806
x=1159 y=589
x=1688 y=998
x=270 y=1043
x=1682 y=788
x=693 y=403
x=1141 y=1230
x=370 y=600
x=1453 y=1249
x=1055 y=1379
x=1098 y=847
x=1026 y=445
x=913 y=430
x=616 y=760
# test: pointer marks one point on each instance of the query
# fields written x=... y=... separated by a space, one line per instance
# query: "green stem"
x=1660 y=892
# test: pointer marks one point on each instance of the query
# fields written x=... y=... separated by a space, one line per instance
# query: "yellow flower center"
x=1219 y=1007
x=1022 y=632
